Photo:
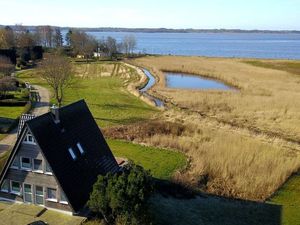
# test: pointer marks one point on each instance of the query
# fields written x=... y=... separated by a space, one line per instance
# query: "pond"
x=188 y=81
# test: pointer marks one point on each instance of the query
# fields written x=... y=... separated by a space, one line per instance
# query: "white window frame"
x=80 y=148
x=72 y=154
x=47 y=172
x=35 y=195
x=15 y=192
x=24 y=168
x=8 y=186
x=26 y=139
x=31 y=189
x=15 y=167
x=34 y=170
x=51 y=199
x=62 y=201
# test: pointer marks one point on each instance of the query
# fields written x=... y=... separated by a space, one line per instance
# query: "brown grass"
x=236 y=165
x=246 y=142
x=266 y=100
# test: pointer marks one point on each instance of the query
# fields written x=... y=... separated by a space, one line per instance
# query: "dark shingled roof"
x=77 y=125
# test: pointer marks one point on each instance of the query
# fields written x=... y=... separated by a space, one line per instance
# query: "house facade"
x=56 y=160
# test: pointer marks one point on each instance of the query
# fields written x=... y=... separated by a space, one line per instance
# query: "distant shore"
x=166 y=30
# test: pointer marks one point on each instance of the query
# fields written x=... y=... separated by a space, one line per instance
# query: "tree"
x=7 y=39
x=7 y=84
x=6 y=67
x=123 y=197
x=25 y=39
x=129 y=44
x=45 y=34
x=83 y=44
x=111 y=46
x=68 y=37
x=58 y=38
x=58 y=73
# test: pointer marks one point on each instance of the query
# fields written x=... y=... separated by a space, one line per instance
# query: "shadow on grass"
x=6 y=124
x=120 y=121
x=169 y=207
x=122 y=106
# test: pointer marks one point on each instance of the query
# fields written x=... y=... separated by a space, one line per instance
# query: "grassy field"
x=245 y=141
x=22 y=214
x=161 y=163
x=103 y=86
x=8 y=114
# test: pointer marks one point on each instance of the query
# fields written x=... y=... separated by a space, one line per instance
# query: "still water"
x=187 y=81
x=251 y=45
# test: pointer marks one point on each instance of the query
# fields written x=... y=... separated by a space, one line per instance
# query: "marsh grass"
x=288 y=66
x=244 y=143
x=265 y=100
x=233 y=165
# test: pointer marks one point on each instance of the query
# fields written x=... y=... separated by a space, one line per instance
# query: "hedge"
x=11 y=102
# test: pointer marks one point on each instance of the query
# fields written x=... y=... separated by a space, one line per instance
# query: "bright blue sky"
x=243 y=14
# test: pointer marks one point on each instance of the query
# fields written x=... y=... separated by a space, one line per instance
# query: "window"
x=51 y=194
x=48 y=169
x=15 y=187
x=80 y=148
x=72 y=153
x=5 y=186
x=38 y=165
x=29 y=139
x=27 y=193
x=39 y=195
x=25 y=163
x=15 y=164
x=63 y=198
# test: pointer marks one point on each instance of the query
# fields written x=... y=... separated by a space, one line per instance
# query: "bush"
x=12 y=102
x=122 y=198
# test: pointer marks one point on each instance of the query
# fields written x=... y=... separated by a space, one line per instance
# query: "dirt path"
x=39 y=109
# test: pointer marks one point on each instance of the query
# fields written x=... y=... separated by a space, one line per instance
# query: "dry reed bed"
x=233 y=164
x=267 y=99
x=229 y=160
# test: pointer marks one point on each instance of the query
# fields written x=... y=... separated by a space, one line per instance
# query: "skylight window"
x=80 y=148
x=72 y=153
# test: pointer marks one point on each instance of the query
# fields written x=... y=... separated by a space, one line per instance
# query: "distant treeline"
x=166 y=30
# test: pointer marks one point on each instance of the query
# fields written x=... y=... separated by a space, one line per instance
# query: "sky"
x=198 y=14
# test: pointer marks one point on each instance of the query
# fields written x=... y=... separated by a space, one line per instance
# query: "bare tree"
x=45 y=34
x=129 y=44
x=7 y=39
x=7 y=84
x=58 y=38
x=111 y=44
x=83 y=43
x=58 y=73
x=6 y=67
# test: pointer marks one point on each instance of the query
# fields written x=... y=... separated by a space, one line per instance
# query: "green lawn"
x=11 y=112
x=22 y=214
x=109 y=101
x=2 y=136
x=8 y=114
x=162 y=163
x=289 y=197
